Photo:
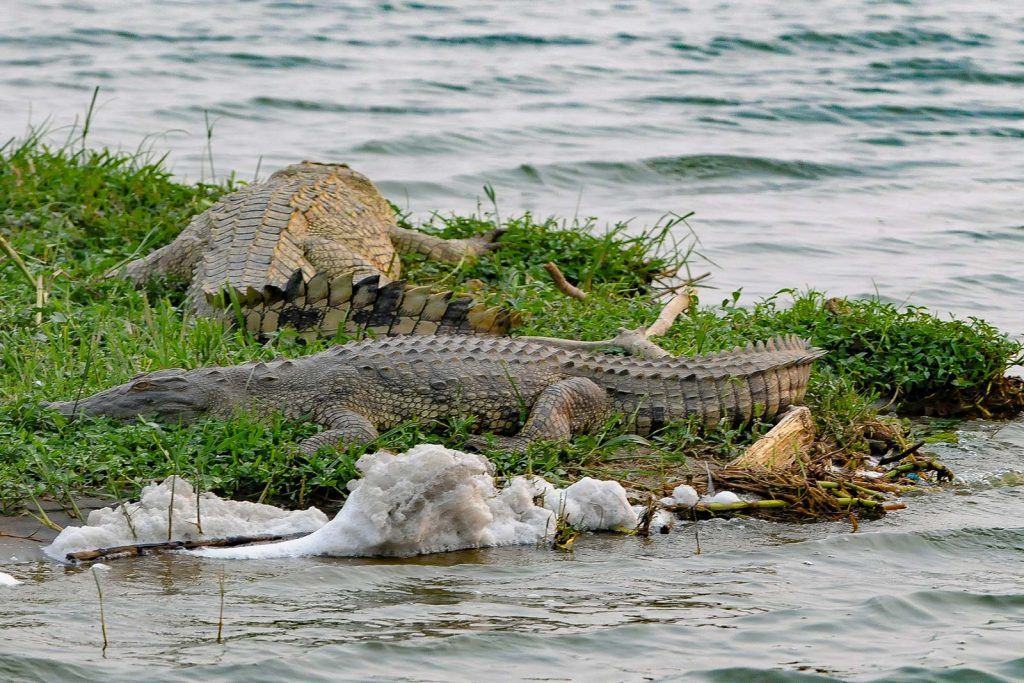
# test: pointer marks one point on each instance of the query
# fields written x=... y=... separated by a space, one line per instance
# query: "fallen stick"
x=16 y=257
x=30 y=537
x=137 y=549
x=834 y=486
x=688 y=283
x=941 y=471
x=862 y=502
x=902 y=454
x=771 y=504
x=672 y=310
x=38 y=284
x=632 y=342
x=563 y=285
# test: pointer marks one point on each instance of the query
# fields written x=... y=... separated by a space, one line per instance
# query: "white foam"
x=684 y=494
x=590 y=504
x=427 y=500
x=219 y=518
x=723 y=497
x=662 y=520
x=432 y=499
x=8 y=580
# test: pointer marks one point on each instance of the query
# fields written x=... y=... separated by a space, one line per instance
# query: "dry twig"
x=37 y=283
x=633 y=342
x=563 y=285
x=137 y=549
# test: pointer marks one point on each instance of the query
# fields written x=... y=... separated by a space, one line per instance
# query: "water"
x=928 y=593
x=856 y=147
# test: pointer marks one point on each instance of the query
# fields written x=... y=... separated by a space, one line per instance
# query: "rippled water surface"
x=857 y=147
x=928 y=593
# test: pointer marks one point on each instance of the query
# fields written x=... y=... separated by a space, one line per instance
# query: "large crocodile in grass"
x=314 y=247
x=357 y=389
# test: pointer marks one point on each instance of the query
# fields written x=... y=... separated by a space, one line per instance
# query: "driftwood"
x=784 y=444
x=137 y=549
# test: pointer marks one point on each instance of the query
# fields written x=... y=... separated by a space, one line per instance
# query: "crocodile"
x=355 y=390
x=314 y=247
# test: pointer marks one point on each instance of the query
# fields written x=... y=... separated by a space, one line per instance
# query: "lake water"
x=855 y=147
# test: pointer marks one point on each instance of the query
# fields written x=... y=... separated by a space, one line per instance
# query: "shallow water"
x=856 y=147
x=928 y=593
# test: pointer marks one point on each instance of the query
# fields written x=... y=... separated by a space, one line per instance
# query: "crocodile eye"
x=142 y=386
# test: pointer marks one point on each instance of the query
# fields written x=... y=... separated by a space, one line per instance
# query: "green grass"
x=73 y=213
x=903 y=354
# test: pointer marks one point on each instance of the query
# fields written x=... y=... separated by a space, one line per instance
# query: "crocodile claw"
x=483 y=243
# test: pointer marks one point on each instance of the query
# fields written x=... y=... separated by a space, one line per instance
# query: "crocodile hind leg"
x=437 y=249
x=335 y=258
x=177 y=259
x=344 y=427
x=568 y=407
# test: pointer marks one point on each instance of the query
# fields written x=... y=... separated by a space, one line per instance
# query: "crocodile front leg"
x=568 y=407
x=343 y=428
x=437 y=249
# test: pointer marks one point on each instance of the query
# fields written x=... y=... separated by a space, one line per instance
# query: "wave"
x=666 y=170
x=100 y=33
x=503 y=39
x=732 y=166
x=856 y=41
x=904 y=112
x=445 y=142
x=938 y=69
x=703 y=101
x=955 y=545
x=880 y=40
x=256 y=61
x=334 y=107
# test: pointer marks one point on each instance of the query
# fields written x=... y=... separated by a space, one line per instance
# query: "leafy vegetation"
x=908 y=356
x=71 y=214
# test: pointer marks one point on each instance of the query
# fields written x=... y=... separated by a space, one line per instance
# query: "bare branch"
x=563 y=285
x=633 y=342
x=672 y=310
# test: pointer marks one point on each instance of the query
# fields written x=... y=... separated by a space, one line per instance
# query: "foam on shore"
x=191 y=517
x=432 y=499
x=428 y=500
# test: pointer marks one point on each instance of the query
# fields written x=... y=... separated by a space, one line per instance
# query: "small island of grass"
x=70 y=214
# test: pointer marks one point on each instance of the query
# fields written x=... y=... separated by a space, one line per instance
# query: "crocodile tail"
x=759 y=381
x=781 y=370
x=322 y=307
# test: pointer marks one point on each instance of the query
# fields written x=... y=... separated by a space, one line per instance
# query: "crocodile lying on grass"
x=314 y=247
x=356 y=389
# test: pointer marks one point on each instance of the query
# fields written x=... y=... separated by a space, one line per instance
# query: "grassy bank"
x=73 y=213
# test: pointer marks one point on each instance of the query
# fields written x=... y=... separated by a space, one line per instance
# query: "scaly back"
x=259 y=236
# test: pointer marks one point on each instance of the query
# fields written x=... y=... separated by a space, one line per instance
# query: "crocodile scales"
x=314 y=247
x=357 y=389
